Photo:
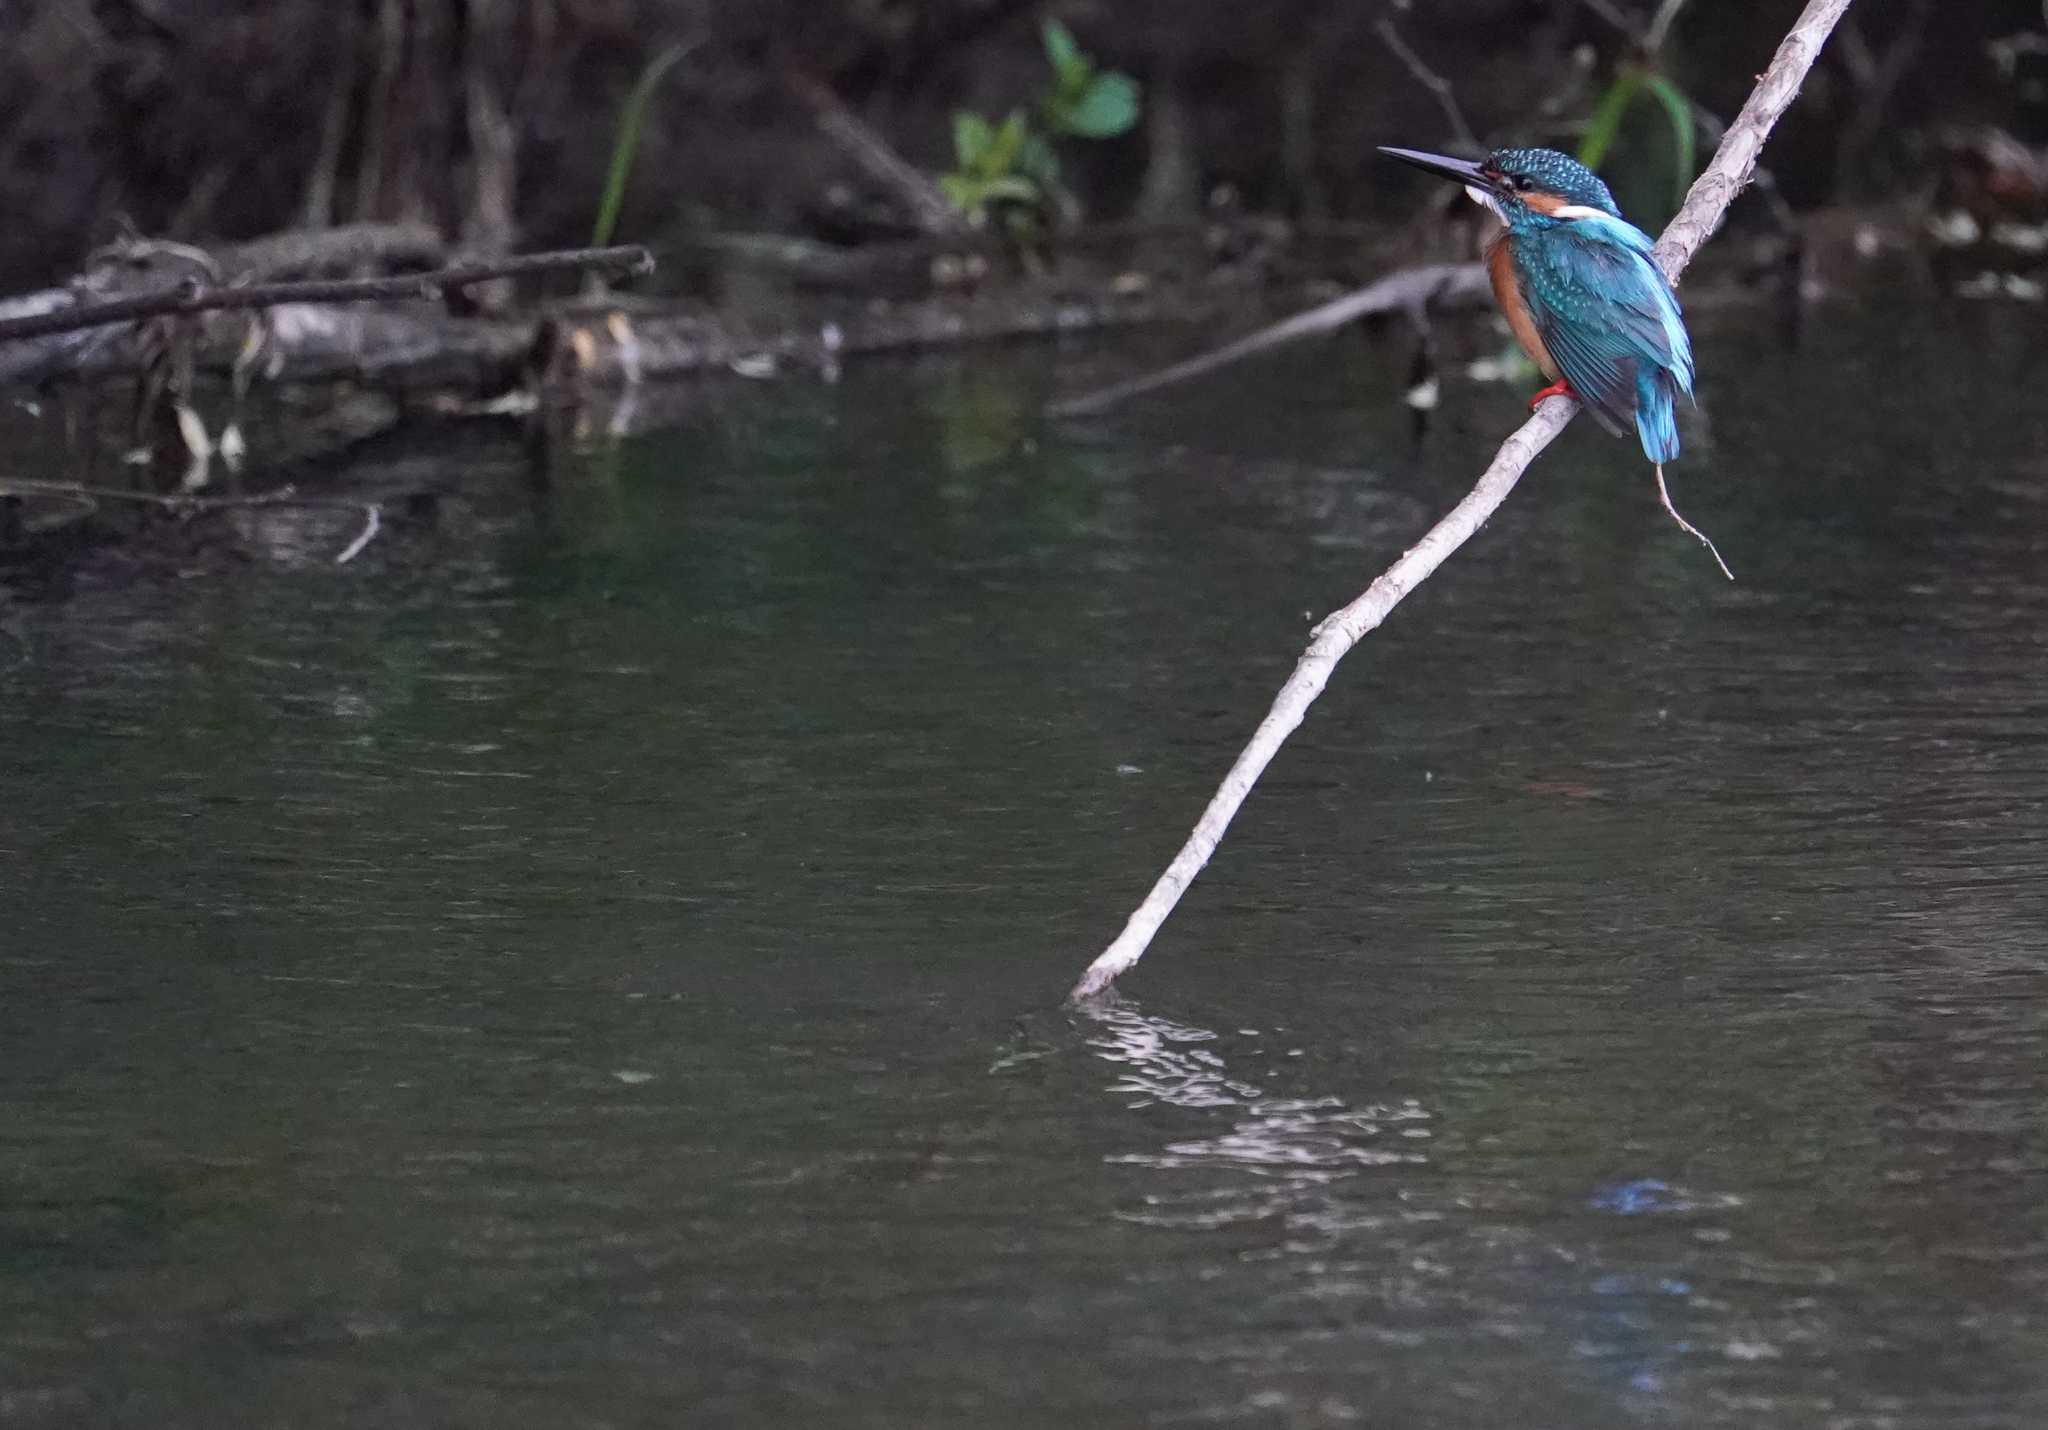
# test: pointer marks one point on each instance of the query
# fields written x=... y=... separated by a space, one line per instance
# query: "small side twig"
x=1610 y=12
x=197 y=297
x=1705 y=207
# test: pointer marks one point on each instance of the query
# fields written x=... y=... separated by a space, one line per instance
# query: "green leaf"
x=1008 y=140
x=972 y=139
x=1106 y=108
x=1068 y=63
x=1014 y=187
x=1683 y=141
x=962 y=192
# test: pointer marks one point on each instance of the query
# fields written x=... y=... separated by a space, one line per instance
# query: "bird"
x=1582 y=295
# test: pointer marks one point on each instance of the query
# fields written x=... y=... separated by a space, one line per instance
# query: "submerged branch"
x=189 y=504
x=1701 y=215
x=180 y=502
x=1409 y=290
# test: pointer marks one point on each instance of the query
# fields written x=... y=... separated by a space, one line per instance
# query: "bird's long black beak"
x=1459 y=170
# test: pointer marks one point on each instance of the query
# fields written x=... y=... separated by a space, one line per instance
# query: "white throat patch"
x=1485 y=200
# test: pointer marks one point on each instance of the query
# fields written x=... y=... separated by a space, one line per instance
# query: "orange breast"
x=1507 y=292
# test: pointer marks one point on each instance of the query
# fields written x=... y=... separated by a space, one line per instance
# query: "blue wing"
x=1611 y=324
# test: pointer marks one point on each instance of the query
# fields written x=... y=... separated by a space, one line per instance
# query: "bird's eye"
x=1520 y=183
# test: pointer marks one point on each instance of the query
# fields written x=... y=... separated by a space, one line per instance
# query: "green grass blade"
x=632 y=115
x=1684 y=142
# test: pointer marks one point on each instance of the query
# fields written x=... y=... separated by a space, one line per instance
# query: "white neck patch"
x=1487 y=201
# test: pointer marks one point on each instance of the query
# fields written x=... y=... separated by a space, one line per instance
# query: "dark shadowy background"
x=214 y=119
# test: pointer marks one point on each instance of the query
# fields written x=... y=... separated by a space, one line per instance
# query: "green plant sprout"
x=1010 y=169
x=1085 y=101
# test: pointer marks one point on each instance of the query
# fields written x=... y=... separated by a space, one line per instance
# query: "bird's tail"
x=1656 y=421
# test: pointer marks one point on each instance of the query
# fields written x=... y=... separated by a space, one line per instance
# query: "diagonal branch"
x=1705 y=206
x=860 y=142
x=1408 y=290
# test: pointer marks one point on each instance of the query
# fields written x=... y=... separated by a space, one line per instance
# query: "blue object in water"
x=1645 y=1194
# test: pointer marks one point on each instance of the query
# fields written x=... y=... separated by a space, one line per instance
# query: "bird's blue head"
x=1528 y=189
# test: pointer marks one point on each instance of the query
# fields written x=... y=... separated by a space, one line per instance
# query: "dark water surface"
x=596 y=959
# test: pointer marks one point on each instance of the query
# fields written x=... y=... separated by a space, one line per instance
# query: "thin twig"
x=1429 y=79
x=1701 y=214
x=1660 y=24
x=1710 y=124
x=193 y=297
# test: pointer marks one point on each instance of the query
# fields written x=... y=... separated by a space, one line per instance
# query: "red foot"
x=1560 y=388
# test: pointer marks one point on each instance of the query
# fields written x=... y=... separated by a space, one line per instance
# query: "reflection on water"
x=1357 y=1224
x=1289 y=1149
x=1399 y=1242
x=545 y=972
x=1163 y=1061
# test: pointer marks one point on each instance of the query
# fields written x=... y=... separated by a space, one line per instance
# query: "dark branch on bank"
x=196 y=296
x=860 y=142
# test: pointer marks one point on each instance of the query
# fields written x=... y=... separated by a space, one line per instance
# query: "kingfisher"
x=1582 y=294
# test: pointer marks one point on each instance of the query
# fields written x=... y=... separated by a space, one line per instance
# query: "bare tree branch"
x=1429 y=79
x=1702 y=213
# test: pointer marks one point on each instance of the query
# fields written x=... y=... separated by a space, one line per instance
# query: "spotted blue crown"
x=1552 y=173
